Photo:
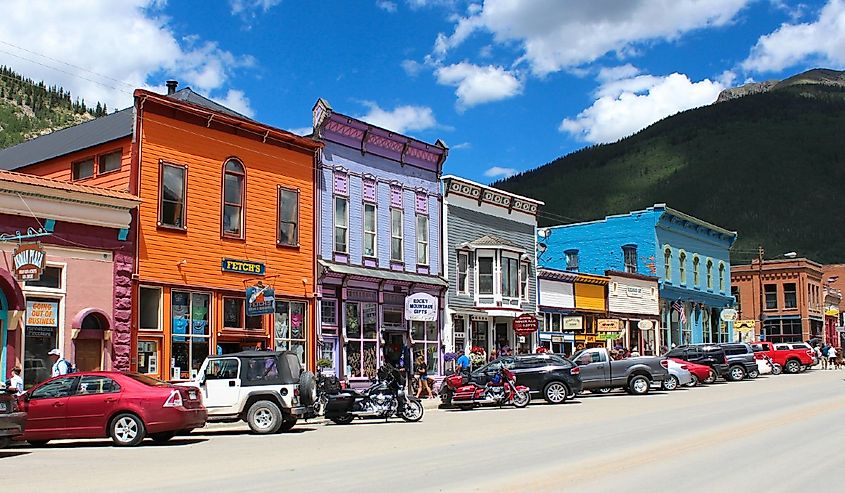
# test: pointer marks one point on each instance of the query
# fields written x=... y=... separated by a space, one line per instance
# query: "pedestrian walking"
x=818 y=352
x=422 y=373
x=831 y=358
x=16 y=382
x=61 y=366
x=825 y=349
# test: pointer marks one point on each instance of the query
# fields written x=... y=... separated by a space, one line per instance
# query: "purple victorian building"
x=380 y=210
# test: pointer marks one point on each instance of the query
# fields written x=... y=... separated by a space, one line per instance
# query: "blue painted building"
x=379 y=241
x=690 y=258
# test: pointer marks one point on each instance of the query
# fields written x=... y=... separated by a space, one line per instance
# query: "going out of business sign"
x=421 y=307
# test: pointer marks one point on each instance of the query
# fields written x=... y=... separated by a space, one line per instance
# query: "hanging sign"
x=745 y=324
x=728 y=315
x=645 y=325
x=525 y=324
x=260 y=300
x=421 y=307
x=607 y=325
x=242 y=267
x=572 y=323
x=29 y=260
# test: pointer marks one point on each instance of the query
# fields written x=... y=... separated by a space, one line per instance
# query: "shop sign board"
x=590 y=339
x=42 y=318
x=745 y=324
x=260 y=300
x=608 y=336
x=421 y=307
x=607 y=325
x=645 y=325
x=728 y=315
x=525 y=324
x=572 y=323
x=29 y=260
x=634 y=291
x=242 y=267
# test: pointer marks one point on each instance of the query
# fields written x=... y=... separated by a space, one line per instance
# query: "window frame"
x=667 y=263
x=572 y=258
x=722 y=270
x=243 y=318
x=360 y=341
x=99 y=166
x=188 y=336
x=524 y=279
x=323 y=304
x=400 y=237
x=345 y=227
x=506 y=276
x=74 y=176
x=30 y=287
x=709 y=273
x=279 y=191
x=422 y=240
x=160 y=327
x=184 y=216
x=773 y=293
x=794 y=292
x=373 y=232
x=223 y=204
x=462 y=276
x=491 y=255
x=629 y=258
x=696 y=261
x=682 y=268
x=289 y=340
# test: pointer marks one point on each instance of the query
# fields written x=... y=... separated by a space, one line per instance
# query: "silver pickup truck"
x=599 y=373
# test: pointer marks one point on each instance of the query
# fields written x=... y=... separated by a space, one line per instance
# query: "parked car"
x=635 y=375
x=127 y=407
x=741 y=361
x=267 y=389
x=792 y=356
x=679 y=374
x=551 y=376
x=698 y=373
x=703 y=354
x=12 y=419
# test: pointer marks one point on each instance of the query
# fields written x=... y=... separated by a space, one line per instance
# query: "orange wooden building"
x=226 y=203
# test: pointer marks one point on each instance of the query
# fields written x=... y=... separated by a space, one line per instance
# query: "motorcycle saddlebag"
x=339 y=404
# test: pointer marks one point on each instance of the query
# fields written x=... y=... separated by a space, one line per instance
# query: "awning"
x=380 y=274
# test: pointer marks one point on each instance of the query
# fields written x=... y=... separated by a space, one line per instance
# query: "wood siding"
x=60 y=168
x=590 y=297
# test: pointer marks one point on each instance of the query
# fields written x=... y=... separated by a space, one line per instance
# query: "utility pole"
x=762 y=316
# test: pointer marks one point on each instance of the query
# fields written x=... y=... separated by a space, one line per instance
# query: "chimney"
x=171 y=86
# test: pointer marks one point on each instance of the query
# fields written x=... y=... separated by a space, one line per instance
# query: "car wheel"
x=670 y=383
x=638 y=385
x=343 y=420
x=555 y=393
x=694 y=381
x=737 y=373
x=264 y=417
x=37 y=443
x=5 y=441
x=287 y=425
x=753 y=374
x=793 y=366
x=162 y=437
x=711 y=377
x=413 y=411
x=127 y=430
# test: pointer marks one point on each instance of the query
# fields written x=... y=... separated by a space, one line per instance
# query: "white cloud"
x=556 y=35
x=240 y=7
x=301 y=130
x=822 y=42
x=400 y=119
x=412 y=67
x=476 y=84
x=499 y=172
x=627 y=106
x=462 y=145
x=386 y=5
x=616 y=73
x=132 y=46
x=237 y=100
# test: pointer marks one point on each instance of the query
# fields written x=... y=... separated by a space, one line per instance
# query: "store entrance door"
x=88 y=354
x=394 y=342
x=501 y=337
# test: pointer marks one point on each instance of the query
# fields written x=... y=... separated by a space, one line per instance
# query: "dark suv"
x=741 y=361
x=12 y=419
x=704 y=354
x=551 y=376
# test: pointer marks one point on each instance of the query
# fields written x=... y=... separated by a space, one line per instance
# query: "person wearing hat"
x=61 y=366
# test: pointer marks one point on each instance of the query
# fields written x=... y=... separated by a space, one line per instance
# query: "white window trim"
x=524 y=290
x=400 y=237
x=465 y=291
x=422 y=239
x=491 y=254
x=374 y=232
x=38 y=290
x=502 y=257
x=335 y=225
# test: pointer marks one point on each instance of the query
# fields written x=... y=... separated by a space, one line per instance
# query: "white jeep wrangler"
x=267 y=389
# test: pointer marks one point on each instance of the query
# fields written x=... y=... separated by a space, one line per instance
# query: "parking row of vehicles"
x=271 y=392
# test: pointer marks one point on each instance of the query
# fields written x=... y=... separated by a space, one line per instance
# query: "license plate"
x=192 y=395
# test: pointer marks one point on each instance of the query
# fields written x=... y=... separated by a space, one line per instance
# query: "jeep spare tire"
x=307 y=388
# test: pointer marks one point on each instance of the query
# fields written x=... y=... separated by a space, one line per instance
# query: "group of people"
x=829 y=357
x=61 y=366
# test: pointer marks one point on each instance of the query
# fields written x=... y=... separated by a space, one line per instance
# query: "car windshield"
x=152 y=382
x=575 y=356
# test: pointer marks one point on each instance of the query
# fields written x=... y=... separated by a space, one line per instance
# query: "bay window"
x=510 y=277
x=485 y=275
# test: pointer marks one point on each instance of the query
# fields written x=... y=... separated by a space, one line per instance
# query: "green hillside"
x=29 y=109
x=770 y=166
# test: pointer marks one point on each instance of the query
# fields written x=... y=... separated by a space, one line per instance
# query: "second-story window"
x=722 y=277
x=667 y=263
x=485 y=275
x=695 y=262
x=109 y=162
x=571 y=260
x=510 y=277
x=629 y=252
x=370 y=230
x=288 y=217
x=771 y=291
x=682 y=267
x=463 y=272
x=790 y=295
x=233 y=199
x=341 y=224
x=172 y=195
x=83 y=169
x=422 y=240
x=735 y=294
x=709 y=267
x=396 y=235
x=523 y=276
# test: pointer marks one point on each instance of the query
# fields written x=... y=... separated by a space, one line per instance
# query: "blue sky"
x=508 y=84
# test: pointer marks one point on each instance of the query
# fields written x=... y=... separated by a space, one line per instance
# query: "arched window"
x=682 y=267
x=722 y=277
x=709 y=274
x=667 y=263
x=91 y=321
x=234 y=178
x=695 y=261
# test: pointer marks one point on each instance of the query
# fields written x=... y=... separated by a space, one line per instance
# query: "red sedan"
x=124 y=406
x=700 y=373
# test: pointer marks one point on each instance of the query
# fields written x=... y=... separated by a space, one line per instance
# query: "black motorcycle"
x=385 y=398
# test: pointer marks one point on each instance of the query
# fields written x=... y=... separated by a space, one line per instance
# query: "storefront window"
x=147 y=357
x=190 y=332
x=148 y=308
x=479 y=334
x=327 y=353
x=290 y=327
x=234 y=316
x=426 y=340
x=361 y=339
x=328 y=312
x=42 y=335
x=392 y=318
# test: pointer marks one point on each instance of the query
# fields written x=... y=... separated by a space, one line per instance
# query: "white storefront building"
x=633 y=300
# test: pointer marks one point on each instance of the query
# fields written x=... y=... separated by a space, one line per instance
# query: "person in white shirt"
x=16 y=382
x=61 y=366
x=831 y=358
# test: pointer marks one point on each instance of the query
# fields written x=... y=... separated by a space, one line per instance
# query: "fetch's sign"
x=421 y=307
x=242 y=267
x=29 y=259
